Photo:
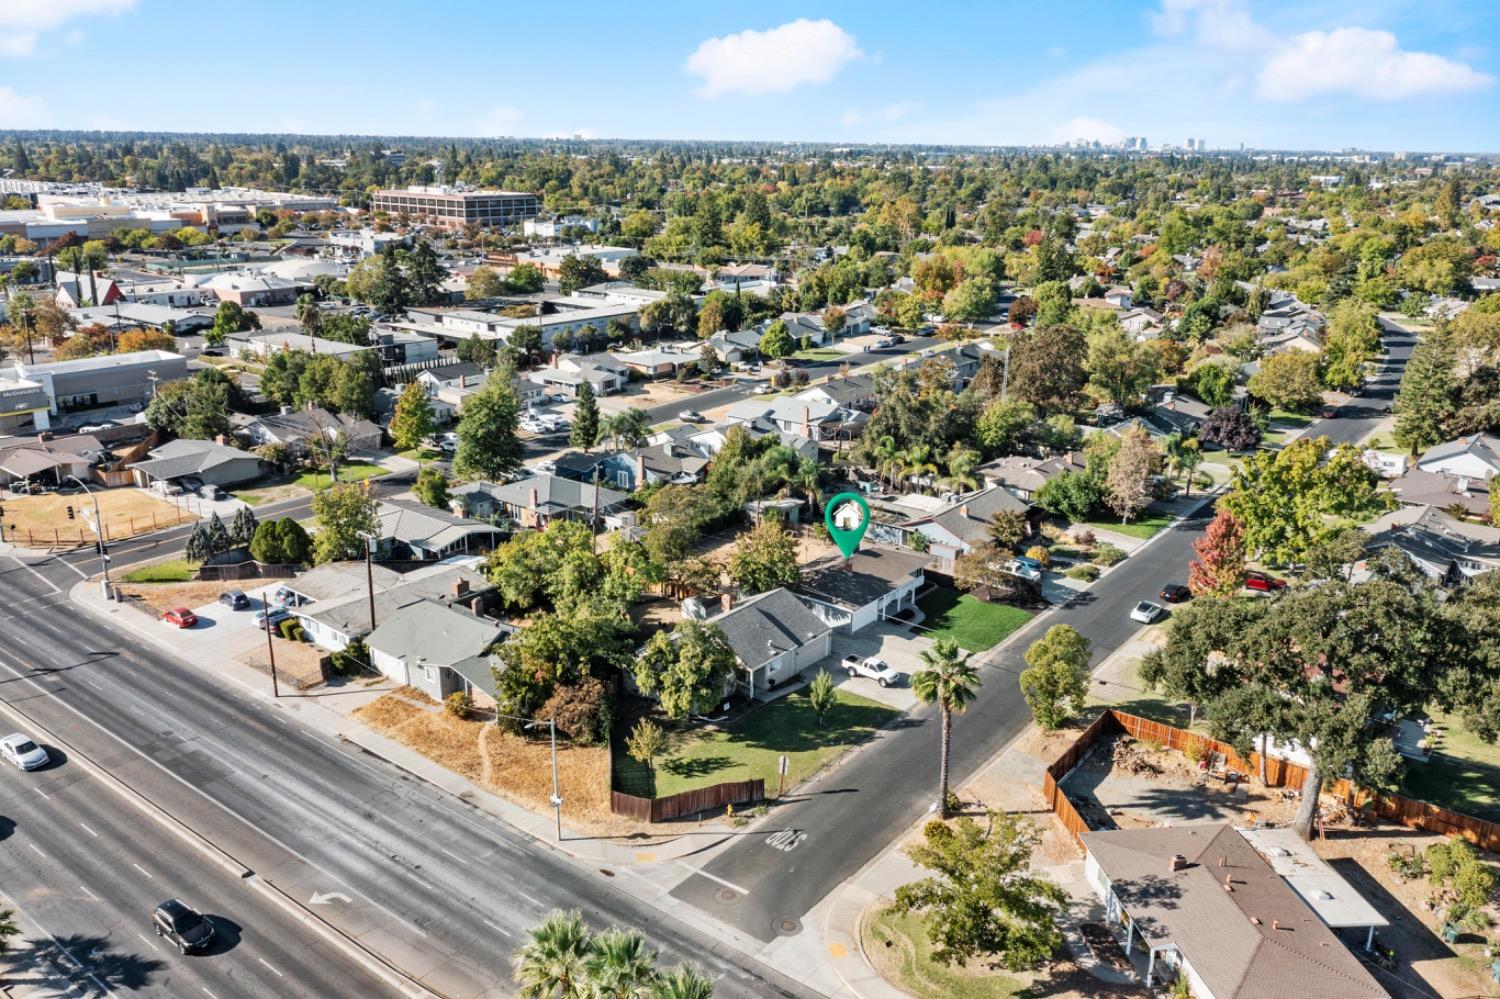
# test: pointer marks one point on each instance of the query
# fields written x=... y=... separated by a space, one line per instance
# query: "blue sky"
x=1378 y=74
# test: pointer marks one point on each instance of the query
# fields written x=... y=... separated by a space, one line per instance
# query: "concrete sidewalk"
x=315 y=709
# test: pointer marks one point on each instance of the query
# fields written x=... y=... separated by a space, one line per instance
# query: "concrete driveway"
x=892 y=643
x=220 y=632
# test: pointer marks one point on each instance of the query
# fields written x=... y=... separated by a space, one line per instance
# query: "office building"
x=451 y=207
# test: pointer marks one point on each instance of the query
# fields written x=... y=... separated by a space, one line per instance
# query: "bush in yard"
x=351 y=659
x=583 y=710
x=290 y=629
x=1082 y=537
x=1083 y=571
x=820 y=695
x=459 y=704
x=1439 y=863
x=1108 y=555
x=646 y=742
x=1041 y=554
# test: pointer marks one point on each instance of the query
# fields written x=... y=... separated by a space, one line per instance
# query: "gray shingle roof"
x=431 y=633
x=969 y=518
x=187 y=456
x=425 y=526
x=1485 y=447
x=869 y=575
x=767 y=625
x=553 y=495
x=1289 y=952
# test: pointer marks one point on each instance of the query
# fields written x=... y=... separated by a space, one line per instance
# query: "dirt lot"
x=1426 y=964
x=162 y=597
x=297 y=663
x=40 y=521
x=508 y=765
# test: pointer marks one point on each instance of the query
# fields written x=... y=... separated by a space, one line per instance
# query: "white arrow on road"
x=323 y=898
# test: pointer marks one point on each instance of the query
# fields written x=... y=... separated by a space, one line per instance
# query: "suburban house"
x=295 y=428
x=775 y=636
x=1203 y=903
x=579 y=466
x=807 y=417
x=1443 y=547
x=1024 y=476
x=332 y=602
x=852 y=392
x=667 y=462
x=735 y=346
x=414 y=531
x=75 y=291
x=1442 y=490
x=872 y=585
x=605 y=374
x=48 y=461
x=964 y=525
x=1141 y=323
x=1476 y=457
x=438 y=649
x=1181 y=413
x=264 y=345
x=537 y=501
x=206 y=462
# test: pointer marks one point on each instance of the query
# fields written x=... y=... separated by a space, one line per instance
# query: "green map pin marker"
x=838 y=509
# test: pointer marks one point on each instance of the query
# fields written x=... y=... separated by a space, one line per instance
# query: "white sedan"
x=1146 y=612
x=23 y=752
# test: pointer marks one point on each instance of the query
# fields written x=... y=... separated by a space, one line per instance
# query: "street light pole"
x=557 y=801
x=98 y=526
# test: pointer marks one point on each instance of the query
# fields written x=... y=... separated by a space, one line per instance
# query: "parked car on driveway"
x=1017 y=567
x=1175 y=593
x=1265 y=584
x=21 y=751
x=234 y=599
x=271 y=617
x=1145 y=612
x=186 y=928
x=876 y=669
x=180 y=617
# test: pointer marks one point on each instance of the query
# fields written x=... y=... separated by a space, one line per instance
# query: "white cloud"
x=890 y=114
x=23 y=21
x=1090 y=129
x=500 y=120
x=19 y=111
x=1221 y=23
x=1364 y=63
x=774 y=61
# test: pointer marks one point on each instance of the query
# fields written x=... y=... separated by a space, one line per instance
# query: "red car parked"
x=1260 y=581
x=181 y=617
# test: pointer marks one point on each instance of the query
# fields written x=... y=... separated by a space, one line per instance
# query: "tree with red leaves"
x=1220 y=566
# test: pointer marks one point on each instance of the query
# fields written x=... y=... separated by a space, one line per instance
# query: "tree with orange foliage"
x=86 y=341
x=145 y=338
x=1220 y=566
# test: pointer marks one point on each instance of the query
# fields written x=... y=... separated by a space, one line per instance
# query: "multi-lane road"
x=435 y=886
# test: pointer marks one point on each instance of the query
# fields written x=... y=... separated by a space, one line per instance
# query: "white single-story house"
x=775 y=636
x=873 y=585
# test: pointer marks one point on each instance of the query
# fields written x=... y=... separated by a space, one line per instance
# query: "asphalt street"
x=432 y=884
x=812 y=847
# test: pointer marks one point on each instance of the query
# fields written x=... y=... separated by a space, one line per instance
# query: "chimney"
x=1176 y=863
x=535 y=502
x=460 y=587
x=219 y=439
x=1275 y=924
x=726 y=601
x=963 y=511
x=640 y=470
x=806 y=422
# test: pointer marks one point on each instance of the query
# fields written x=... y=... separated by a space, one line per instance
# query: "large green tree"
x=1426 y=401
x=689 y=671
x=764 y=558
x=413 y=422
x=1055 y=681
x=346 y=516
x=488 y=445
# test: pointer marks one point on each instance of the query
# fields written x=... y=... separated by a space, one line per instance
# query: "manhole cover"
x=787 y=927
x=727 y=895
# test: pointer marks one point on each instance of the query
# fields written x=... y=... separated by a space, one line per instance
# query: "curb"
x=350 y=947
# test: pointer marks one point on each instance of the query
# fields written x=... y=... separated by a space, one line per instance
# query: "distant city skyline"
x=1388 y=75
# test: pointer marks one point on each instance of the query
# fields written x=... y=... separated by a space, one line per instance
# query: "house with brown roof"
x=1206 y=905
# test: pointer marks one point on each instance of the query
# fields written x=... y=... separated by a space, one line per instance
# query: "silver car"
x=23 y=752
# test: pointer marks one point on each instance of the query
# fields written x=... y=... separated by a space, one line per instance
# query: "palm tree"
x=887 y=459
x=629 y=427
x=916 y=461
x=948 y=679
x=552 y=961
x=8 y=929
x=961 y=464
x=683 y=982
x=619 y=966
x=806 y=477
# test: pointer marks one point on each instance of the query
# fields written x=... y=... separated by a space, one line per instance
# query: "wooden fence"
x=1395 y=808
x=115 y=529
x=675 y=806
x=249 y=569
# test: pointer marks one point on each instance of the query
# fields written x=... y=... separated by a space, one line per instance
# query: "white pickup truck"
x=876 y=669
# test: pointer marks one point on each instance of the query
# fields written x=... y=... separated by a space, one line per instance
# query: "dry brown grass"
x=519 y=769
x=162 y=597
x=37 y=521
x=297 y=663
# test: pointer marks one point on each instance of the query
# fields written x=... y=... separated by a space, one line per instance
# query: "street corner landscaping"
x=42 y=521
x=752 y=745
x=271 y=490
x=974 y=624
x=175 y=570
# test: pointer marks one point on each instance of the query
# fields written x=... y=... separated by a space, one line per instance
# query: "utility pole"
x=270 y=649
x=370 y=579
x=98 y=525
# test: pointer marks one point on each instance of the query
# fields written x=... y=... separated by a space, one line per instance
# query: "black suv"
x=179 y=923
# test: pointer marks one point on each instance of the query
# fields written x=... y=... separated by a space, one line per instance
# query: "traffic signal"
x=70 y=513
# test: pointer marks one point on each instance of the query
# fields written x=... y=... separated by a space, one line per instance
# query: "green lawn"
x=901 y=952
x=178 y=570
x=1463 y=773
x=287 y=486
x=349 y=471
x=1144 y=526
x=819 y=354
x=973 y=624
x=1287 y=418
x=421 y=454
x=752 y=746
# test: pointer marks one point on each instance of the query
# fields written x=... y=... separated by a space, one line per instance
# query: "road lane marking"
x=39 y=853
x=452 y=854
x=208 y=993
x=142 y=870
x=521 y=893
x=44 y=794
x=713 y=877
x=148 y=941
x=84 y=889
x=89 y=831
x=498 y=929
x=273 y=970
x=31 y=569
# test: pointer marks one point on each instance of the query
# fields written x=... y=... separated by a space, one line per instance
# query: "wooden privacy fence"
x=1395 y=808
x=675 y=806
x=246 y=570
